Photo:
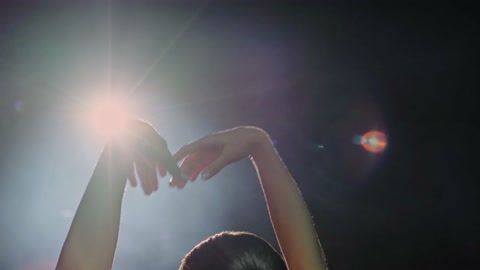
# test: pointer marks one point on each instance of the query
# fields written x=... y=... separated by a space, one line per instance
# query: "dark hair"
x=233 y=251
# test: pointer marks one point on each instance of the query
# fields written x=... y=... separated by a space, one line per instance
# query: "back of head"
x=233 y=251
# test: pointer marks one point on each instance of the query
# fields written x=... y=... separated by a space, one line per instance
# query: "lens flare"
x=108 y=118
x=374 y=141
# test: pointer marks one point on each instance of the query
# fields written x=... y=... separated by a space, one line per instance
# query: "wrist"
x=110 y=174
x=263 y=145
x=115 y=156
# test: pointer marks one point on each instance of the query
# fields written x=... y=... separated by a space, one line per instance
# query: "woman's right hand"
x=288 y=211
x=212 y=153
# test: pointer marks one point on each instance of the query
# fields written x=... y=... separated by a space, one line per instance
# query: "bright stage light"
x=374 y=141
x=108 y=117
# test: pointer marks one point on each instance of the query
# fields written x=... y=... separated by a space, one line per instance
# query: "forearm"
x=93 y=235
x=288 y=211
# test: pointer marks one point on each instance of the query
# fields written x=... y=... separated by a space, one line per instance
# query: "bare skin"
x=93 y=235
x=92 y=239
x=289 y=214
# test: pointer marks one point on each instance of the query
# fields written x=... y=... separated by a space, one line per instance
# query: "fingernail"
x=181 y=185
x=205 y=175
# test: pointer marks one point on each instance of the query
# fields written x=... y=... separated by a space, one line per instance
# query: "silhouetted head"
x=233 y=251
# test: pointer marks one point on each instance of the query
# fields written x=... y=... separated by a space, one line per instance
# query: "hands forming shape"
x=206 y=156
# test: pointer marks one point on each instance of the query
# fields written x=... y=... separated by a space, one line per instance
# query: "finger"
x=171 y=166
x=132 y=178
x=161 y=170
x=181 y=184
x=158 y=151
x=190 y=165
x=195 y=174
x=216 y=166
x=202 y=160
x=165 y=158
x=196 y=146
x=155 y=148
x=152 y=176
x=142 y=171
x=176 y=182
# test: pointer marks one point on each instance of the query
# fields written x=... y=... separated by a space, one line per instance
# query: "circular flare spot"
x=374 y=141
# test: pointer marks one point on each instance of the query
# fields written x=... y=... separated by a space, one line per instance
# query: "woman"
x=92 y=238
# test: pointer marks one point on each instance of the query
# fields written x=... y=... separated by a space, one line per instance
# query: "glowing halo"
x=374 y=141
x=108 y=117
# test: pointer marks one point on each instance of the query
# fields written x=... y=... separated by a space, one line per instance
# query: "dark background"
x=309 y=73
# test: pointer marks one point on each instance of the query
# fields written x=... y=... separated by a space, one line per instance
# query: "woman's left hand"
x=148 y=152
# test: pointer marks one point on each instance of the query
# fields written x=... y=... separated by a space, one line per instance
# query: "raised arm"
x=92 y=239
x=288 y=211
